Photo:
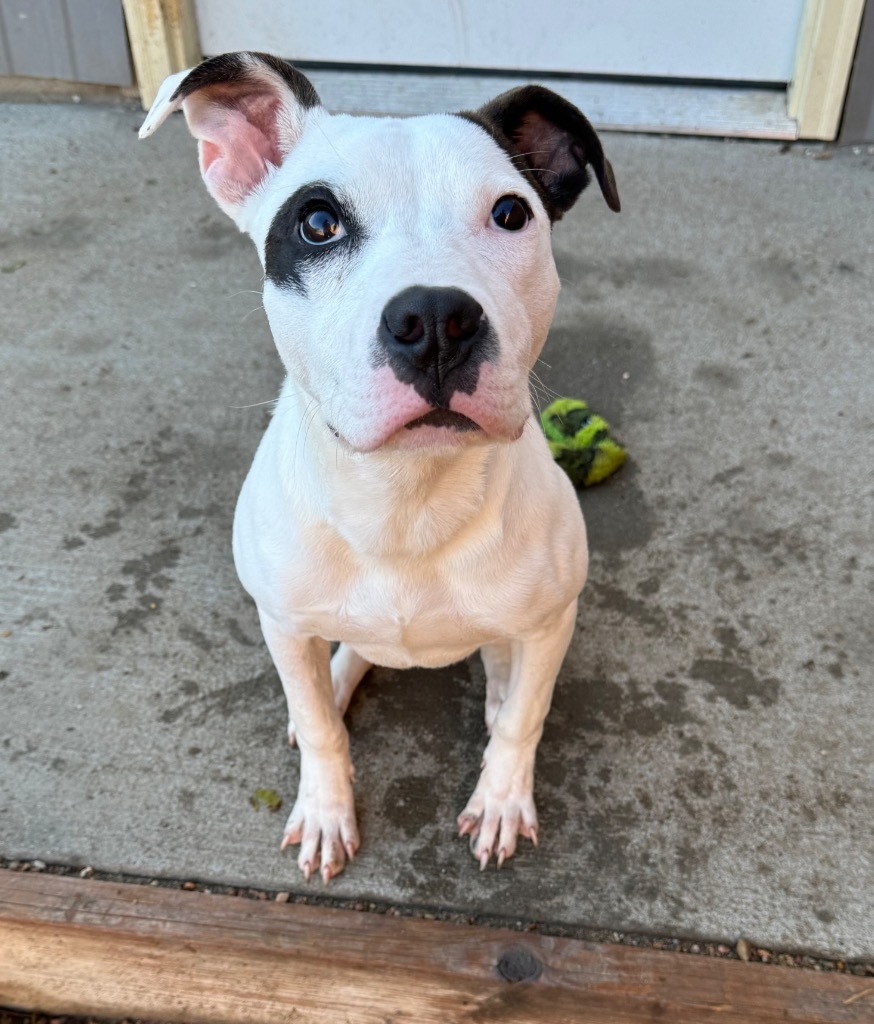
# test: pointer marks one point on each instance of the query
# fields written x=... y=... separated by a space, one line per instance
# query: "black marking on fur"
x=550 y=142
x=236 y=69
x=491 y=129
x=434 y=369
x=287 y=257
x=443 y=418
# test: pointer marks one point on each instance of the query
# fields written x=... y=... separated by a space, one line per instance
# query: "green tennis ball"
x=580 y=442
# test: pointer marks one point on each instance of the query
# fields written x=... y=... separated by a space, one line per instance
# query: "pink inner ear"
x=238 y=141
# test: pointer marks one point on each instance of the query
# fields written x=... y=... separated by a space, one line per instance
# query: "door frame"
x=823 y=62
x=163 y=40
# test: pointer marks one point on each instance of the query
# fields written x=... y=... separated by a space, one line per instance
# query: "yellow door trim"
x=163 y=40
x=823 y=61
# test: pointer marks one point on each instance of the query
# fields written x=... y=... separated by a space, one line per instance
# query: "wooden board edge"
x=823 y=62
x=107 y=949
x=163 y=39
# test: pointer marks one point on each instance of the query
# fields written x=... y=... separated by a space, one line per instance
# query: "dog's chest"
x=396 y=614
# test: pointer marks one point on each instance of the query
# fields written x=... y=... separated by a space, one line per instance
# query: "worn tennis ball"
x=580 y=442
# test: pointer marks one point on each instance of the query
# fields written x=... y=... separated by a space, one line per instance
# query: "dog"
x=403 y=501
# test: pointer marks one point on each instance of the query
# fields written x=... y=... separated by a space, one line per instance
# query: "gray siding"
x=78 y=40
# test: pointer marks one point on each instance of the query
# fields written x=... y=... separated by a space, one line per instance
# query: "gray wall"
x=78 y=40
x=858 y=122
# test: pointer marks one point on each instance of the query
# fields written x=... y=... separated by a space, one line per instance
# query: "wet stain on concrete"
x=727 y=475
x=780 y=460
x=150 y=569
x=138 y=616
x=428 y=704
x=193 y=512
x=235 y=631
x=602 y=358
x=717 y=376
x=408 y=803
x=650 y=616
x=618 y=518
x=605 y=706
x=736 y=684
x=196 y=637
x=68 y=232
x=740 y=555
x=187 y=799
x=783 y=274
x=136 y=490
x=111 y=524
x=260 y=691
x=212 y=239
x=7 y=521
x=654 y=272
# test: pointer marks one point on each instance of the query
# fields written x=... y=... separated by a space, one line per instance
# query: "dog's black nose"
x=432 y=329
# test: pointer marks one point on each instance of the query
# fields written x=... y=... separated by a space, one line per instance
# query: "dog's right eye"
x=321 y=225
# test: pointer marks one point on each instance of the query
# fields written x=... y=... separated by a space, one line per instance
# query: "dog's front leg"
x=323 y=817
x=502 y=805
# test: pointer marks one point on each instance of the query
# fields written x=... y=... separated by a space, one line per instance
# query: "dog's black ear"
x=551 y=142
x=246 y=110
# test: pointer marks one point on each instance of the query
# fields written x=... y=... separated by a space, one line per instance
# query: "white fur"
x=410 y=547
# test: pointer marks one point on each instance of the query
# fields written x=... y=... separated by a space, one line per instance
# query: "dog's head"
x=409 y=278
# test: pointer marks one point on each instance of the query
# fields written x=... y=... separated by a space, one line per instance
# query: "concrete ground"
x=707 y=766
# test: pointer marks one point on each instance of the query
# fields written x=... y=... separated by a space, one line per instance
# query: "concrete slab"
x=707 y=767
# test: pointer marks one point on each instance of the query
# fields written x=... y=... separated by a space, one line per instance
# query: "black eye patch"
x=288 y=256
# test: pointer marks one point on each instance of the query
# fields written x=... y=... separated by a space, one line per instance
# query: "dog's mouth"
x=443 y=418
x=437 y=428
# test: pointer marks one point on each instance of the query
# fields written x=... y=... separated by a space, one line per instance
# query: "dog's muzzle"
x=435 y=340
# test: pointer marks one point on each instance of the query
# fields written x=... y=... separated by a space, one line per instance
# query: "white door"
x=723 y=40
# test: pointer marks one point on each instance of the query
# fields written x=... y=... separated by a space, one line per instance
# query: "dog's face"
x=391 y=288
x=409 y=278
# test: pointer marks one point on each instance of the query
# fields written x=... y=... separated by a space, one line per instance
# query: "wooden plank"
x=824 y=59
x=87 y=947
x=163 y=40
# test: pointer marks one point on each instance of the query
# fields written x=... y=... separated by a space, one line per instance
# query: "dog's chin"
x=433 y=431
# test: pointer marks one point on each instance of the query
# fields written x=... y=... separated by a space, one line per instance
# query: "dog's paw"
x=322 y=821
x=494 y=818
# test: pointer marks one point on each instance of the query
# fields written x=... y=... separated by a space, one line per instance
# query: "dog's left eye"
x=321 y=225
x=510 y=213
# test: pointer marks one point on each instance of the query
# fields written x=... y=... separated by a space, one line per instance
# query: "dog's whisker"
x=255 y=405
x=545 y=390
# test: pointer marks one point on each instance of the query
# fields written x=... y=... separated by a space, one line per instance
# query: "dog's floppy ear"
x=551 y=142
x=246 y=110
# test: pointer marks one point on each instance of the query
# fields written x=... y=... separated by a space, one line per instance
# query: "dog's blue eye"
x=510 y=213
x=321 y=225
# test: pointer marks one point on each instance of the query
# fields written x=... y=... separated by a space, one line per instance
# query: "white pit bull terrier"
x=403 y=500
